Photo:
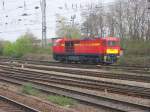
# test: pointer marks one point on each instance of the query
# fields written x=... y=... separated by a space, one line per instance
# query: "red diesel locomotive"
x=95 y=50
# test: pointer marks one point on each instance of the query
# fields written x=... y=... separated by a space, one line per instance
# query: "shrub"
x=8 y=49
x=26 y=44
x=23 y=46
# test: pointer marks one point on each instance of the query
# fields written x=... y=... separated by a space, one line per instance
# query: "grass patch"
x=61 y=100
x=28 y=89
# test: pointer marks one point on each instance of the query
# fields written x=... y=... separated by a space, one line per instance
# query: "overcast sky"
x=13 y=24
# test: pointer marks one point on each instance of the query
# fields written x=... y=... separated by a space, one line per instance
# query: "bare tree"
x=124 y=18
x=65 y=29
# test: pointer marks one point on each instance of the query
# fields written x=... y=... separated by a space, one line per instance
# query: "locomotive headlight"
x=112 y=51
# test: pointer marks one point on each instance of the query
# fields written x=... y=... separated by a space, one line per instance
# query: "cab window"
x=112 y=43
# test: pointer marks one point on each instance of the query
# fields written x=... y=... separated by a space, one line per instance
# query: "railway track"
x=84 y=83
x=88 y=72
x=73 y=92
x=95 y=73
x=8 y=105
x=135 y=69
x=77 y=82
x=84 y=96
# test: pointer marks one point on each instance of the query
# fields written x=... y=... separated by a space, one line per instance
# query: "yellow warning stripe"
x=93 y=44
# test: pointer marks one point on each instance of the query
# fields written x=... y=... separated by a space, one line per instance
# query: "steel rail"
x=89 y=84
x=122 y=76
x=142 y=69
x=84 y=96
x=18 y=106
x=74 y=81
x=121 y=106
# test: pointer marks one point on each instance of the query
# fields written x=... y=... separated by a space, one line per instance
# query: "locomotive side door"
x=69 y=47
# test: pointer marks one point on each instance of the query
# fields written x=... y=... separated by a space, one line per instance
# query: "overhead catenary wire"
x=29 y=9
x=22 y=30
x=53 y=14
x=19 y=7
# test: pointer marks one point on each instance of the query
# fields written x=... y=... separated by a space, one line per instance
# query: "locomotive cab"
x=111 y=50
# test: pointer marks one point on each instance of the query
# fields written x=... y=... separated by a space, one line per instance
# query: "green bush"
x=17 y=49
x=8 y=49
x=1 y=47
x=23 y=46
